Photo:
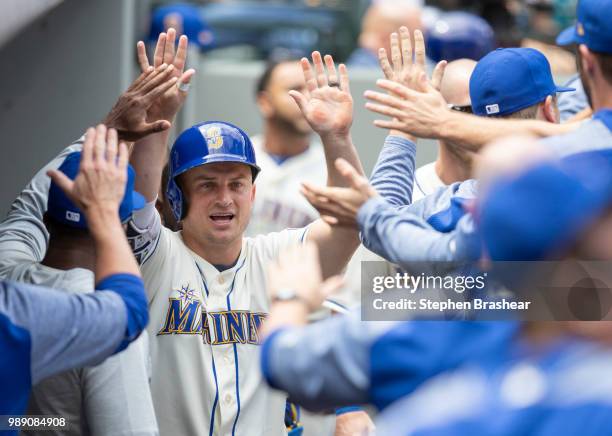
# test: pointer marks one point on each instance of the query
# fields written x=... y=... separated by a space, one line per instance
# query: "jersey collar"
x=605 y=116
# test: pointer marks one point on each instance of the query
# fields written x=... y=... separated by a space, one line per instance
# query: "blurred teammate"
x=379 y=21
x=207 y=289
x=46 y=332
x=453 y=164
x=86 y=397
x=287 y=153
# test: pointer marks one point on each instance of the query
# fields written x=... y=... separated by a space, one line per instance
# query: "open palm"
x=328 y=105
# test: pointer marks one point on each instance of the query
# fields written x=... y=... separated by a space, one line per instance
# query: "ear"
x=549 y=110
x=253 y=191
x=264 y=104
x=586 y=58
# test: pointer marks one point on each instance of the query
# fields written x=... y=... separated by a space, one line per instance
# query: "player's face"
x=220 y=198
x=284 y=109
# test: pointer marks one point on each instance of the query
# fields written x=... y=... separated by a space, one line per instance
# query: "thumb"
x=349 y=173
x=299 y=98
x=61 y=180
x=185 y=80
x=438 y=74
x=331 y=286
x=156 y=127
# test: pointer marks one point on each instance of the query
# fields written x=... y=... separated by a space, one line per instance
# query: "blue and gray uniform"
x=45 y=332
x=571 y=103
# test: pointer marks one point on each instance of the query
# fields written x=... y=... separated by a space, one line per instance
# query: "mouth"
x=222 y=218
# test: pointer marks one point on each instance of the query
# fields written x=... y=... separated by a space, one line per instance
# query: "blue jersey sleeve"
x=393 y=174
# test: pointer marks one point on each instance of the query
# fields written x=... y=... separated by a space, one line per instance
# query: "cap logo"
x=213 y=137
x=492 y=109
x=73 y=216
x=579 y=29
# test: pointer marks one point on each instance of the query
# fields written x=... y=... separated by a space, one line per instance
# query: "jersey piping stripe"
x=229 y=307
x=212 y=358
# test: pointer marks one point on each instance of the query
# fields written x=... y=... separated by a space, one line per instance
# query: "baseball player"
x=85 y=396
x=496 y=374
x=206 y=284
x=45 y=332
x=287 y=153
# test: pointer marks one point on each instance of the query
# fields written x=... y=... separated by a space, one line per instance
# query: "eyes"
x=235 y=185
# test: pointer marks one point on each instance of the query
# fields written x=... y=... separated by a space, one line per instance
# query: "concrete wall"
x=59 y=75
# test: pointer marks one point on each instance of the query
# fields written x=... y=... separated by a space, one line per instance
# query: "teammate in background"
x=86 y=397
x=45 y=332
x=208 y=292
x=453 y=164
x=511 y=372
x=287 y=152
x=379 y=21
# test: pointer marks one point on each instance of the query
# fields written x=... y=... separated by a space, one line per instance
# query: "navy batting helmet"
x=458 y=35
x=205 y=143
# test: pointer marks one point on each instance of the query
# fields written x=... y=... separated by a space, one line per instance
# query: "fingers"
x=389 y=124
x=438 y=75
x=156 y=127
x=111 y=146
x=397 y=89
x=384 y=99
x=99 y=151
x=181 y=53
x=185 y=80
x=158 y=55
x=143 y=60
x=384 y=110
x=419 y=49
x=406 y=46
x=309 y=78
x=61 y=180
x=161 y=75
x=88 y=145
x=140 y=80
x=169 y=47
x=331 y=69
x=160 y=89
x=344 y=79
x=331 y=285
x=396 y=56
x=349 y=172
x=123 y=158
x=317 y=61
x=385 y=66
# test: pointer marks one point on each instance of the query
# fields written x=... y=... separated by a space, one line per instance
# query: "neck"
x=282 y=141
x=211 y=252
x=603 y=100
x=65 y=255
x=452 y=166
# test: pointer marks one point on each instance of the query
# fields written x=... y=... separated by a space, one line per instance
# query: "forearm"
x=285 y=314
x=148 y=157
x=339 y=146
x=472 y=133
x=393 y=174
x=113 y=253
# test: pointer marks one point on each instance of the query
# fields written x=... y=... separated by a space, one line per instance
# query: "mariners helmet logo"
x=213 y=137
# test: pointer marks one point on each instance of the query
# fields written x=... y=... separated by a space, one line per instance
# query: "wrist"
x=103 y=220
x=336 y=136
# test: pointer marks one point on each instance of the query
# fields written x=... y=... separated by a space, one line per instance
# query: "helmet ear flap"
x=175 y=198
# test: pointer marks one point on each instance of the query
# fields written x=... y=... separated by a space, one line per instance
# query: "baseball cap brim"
x=564 y=89
x=568 y=36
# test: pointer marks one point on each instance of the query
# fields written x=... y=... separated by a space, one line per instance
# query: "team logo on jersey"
x=579 y=29
x=213 y=137
x=186 y=316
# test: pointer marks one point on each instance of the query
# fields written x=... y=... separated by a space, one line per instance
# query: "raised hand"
x=99 y=187
x=339 y=206
x=129 y=116
x=405 y=68
x=327 y=105
x=168 y=104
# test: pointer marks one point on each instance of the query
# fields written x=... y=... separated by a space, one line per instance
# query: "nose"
x=224 y=198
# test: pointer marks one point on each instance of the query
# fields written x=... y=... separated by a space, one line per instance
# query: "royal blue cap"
x=510 y=79
x=544 y=210
x=592 y=28
x=63 y=210
x=186 y=19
